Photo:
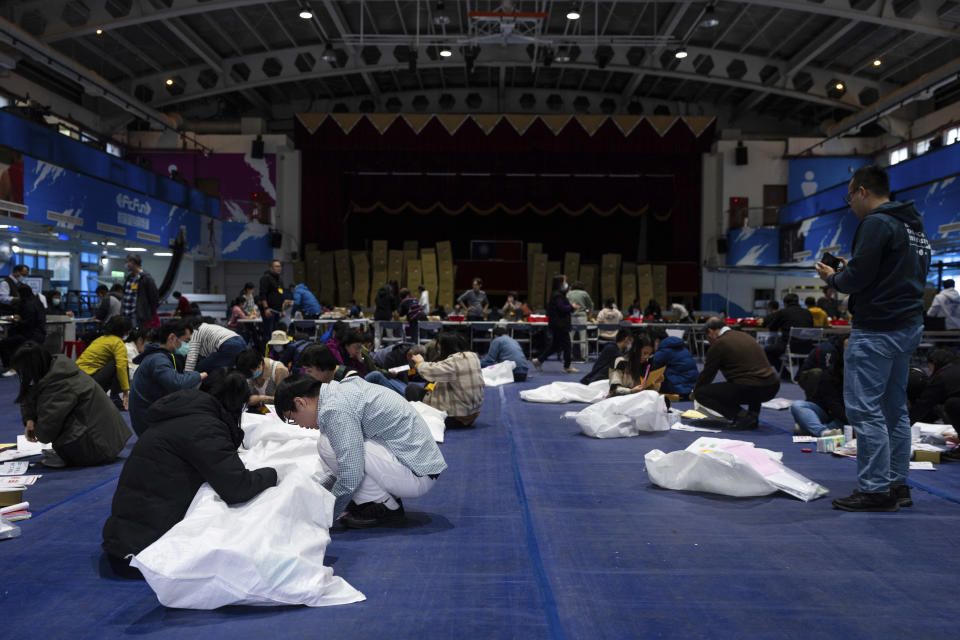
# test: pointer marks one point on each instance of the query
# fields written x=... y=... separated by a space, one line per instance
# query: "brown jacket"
x=741 y=360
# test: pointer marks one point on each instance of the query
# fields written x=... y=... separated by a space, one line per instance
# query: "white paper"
x=777 y=404
x=679 y=426
x=12 y=481
x=13 y=454
x=804 y=438
x=33 y=448
x=922 y=466
x=13 y=468
x=400 y=369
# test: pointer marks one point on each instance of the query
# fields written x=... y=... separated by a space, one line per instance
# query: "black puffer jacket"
x=191 y=440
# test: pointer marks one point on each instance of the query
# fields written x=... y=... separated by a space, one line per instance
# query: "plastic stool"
x=73 y=348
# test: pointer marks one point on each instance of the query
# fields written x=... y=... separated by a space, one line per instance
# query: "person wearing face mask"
x=9 y=285
x=608 y=356
x=558 y=319
x=262 y=374
x=105 y=360
x=56 y=308
x=157 y=374
x=193 y=438
x=212 y=346
x=680 y=369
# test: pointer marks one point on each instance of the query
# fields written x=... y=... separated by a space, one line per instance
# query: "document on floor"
x=777 y=404
x=14 y=468
x=18 y=481
x=921 y=466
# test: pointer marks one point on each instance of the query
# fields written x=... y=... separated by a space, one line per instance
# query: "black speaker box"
x=276 y=239
x=256 y=148
x=740 y=155
x=721 y=245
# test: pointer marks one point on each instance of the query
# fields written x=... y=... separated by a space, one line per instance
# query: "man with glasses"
x=377 y=447
x=885 y=278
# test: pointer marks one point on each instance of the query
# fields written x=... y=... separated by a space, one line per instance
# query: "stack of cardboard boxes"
x=361 y=276
x=609 y=270
x=379 y=269
x=341 y=260
x=445 y=292
x=428 y=269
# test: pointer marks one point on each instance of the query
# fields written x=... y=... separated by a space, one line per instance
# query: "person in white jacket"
x=946 y=304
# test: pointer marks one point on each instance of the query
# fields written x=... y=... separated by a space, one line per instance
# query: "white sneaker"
x=9 y=373
x=571 y=370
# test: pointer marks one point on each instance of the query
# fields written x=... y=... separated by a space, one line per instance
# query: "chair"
x=481 y=333
x=814 y=335
x=73 y=348
x=579 y=343
x=381 y=337
x=427 y=331
x=520 y=331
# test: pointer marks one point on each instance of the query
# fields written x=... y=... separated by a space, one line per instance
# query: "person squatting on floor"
x=503 y=348
x=455 y=382
x=377 y=447
x=750 y=379
x=105 y=360
x=885 y=278
x=157 y=374
x=60 y=404
x=193 y=437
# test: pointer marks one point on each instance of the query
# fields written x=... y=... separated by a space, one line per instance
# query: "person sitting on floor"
x=157 y=374
x=263 y=375
x=608 y=355
x=456 y=382
x=680 y=369
x=823 y=412
x=377 y=447
x=318 y=362
x=940 y=398
x=105 y=360
x=193 y=437
x=212 y=346
x=749 y=377
x=62 y=405
x=631 y=372
x=503 y=348
x=135 y=343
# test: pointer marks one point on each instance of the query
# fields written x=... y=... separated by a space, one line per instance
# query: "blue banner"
x=804 y=242
x=246 y=241
x=752 y=247
x=939 y=202
x=67 y=200
x=808 y=176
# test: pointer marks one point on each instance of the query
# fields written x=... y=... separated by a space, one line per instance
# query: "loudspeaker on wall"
x=721 y=245
x=740 y=155
x=276 y=239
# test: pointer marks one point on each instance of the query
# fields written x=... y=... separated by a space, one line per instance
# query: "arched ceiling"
x=764 y=60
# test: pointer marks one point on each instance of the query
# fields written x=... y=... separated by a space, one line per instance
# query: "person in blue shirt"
x=504 y=348
x=680 y=375
x=305 y=302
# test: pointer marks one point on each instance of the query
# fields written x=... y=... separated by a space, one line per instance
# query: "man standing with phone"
x=885 y=279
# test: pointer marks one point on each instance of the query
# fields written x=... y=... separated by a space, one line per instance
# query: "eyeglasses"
x=847 y=198
x=287 y=419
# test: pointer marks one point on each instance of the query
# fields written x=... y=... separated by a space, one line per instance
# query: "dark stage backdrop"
x=592 y=184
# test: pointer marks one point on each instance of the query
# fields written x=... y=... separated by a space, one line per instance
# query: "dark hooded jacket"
x=156 y=377
x=681 y=371
x=192 y=439
x=70 y=410
x=887 y=273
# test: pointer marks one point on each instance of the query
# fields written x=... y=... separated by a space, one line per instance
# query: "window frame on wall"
x=898 y=155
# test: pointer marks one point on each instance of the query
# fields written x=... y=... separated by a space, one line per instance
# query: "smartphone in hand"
x=831 y=260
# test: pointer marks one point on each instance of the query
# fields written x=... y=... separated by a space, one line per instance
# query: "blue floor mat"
x=536 y=531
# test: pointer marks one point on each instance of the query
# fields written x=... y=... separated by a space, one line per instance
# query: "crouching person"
x=193 y=437
x=377 y=447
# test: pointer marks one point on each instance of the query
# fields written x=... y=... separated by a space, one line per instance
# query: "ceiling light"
x=111 y=244
x=99 y=32
x=95 y=243
x=445 y=52
x=104 y=261
x=15 y=249
x=134 y=248
x=710 y=18
x=680 y=53
x=306 y=14
x=838 y=86
x=169 y=82
x=877 y=62
x=574 y=12
x=163 y=254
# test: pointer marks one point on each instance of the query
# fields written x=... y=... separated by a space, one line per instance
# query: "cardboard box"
x=645 y=289
x=411 y=245
x=341 y=259
x=300 y=272
x=536 y=297
x=328 y=287
x=361 y=276
x=445 y=252
x=414 y=277
x=927 y=456
x=554 y=267
x=11 y=496
x=828 y=444
x=533 y=249
x=395 y=267
x=588 y=276
x=571 y=266
x=659 y=273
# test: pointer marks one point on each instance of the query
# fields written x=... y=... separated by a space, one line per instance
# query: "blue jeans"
x=811 y=417
x=875 y=393
x=375 y=377
x=225 y=356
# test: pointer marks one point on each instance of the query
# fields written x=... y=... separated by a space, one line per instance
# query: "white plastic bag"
x=623 y=416
x=8 y=529
x=267 y=551
x=728 y=467
x=567 y=392
x=498 y=374
x=434 y=419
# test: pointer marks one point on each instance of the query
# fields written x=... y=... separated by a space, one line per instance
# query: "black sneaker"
x=902 y=494
x=858 y=501
x=745 y=421
x=951 y=455
x=372 y=514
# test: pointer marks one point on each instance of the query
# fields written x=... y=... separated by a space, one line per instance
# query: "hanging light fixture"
x=445 y=51
x=710 y=19
x=574 y=12
x=680 y=53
